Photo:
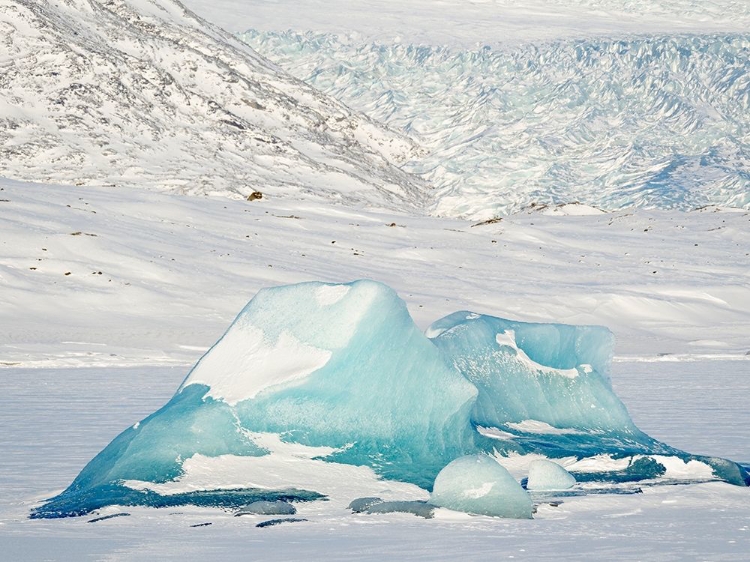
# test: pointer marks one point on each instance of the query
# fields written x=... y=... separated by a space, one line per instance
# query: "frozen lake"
x=55 y=420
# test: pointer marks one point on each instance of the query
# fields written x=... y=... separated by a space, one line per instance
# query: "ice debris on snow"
x=361 y=505
x=341 y=370
x=477 y=484
x=274 y=522
x=418 y=508
x=263 y=507
x=546 y=475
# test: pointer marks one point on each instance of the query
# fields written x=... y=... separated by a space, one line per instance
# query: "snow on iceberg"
x=339 y=376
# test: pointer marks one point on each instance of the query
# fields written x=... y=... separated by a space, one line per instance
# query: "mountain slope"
x=144 y=92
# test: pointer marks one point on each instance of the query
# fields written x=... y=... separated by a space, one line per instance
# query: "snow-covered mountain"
x=146 y=93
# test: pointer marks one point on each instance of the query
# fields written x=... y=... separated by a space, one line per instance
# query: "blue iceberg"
x=543 y=384
x=339 y=373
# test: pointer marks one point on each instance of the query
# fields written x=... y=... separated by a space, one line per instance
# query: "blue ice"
x=546 y=475
x=344 y=368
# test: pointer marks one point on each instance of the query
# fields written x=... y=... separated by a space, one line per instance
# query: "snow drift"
x=339 y=374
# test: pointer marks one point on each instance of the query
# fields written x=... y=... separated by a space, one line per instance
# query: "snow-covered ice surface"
x=671 y=286
x=107 y=296
x=55 y=420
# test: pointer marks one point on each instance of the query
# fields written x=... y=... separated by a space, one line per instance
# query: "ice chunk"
x=341 y=372
x=551 y=373
x=543 y=389
x=545 y=385
x=360 y=505
x=385 y=398
x=636 y=469
x=418 y=508
x=267 y=508
x=546 y=475
x=477 y=484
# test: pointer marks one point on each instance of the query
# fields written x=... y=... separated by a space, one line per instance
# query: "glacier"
x=340 y=375
x=653 y=121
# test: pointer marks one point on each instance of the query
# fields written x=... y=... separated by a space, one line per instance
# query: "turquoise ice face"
x=342 y=370
x=541 y=383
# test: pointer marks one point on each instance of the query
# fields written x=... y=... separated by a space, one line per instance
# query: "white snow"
x=508 y=338
x=177 y=270
x=149 y=95
x=330 y=294
x=243 y=364
x=540 y=427
x=287 y=466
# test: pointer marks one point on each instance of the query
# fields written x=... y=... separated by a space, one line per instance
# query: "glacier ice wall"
x=660 y=121
x=342 y=370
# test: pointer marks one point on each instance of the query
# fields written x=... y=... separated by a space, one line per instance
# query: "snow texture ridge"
x=144 y=92
x=658 y=121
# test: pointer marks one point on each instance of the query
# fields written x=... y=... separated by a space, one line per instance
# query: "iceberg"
x=477 y=484
x=341 y=367
x=546 y=476
x=338 y=375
